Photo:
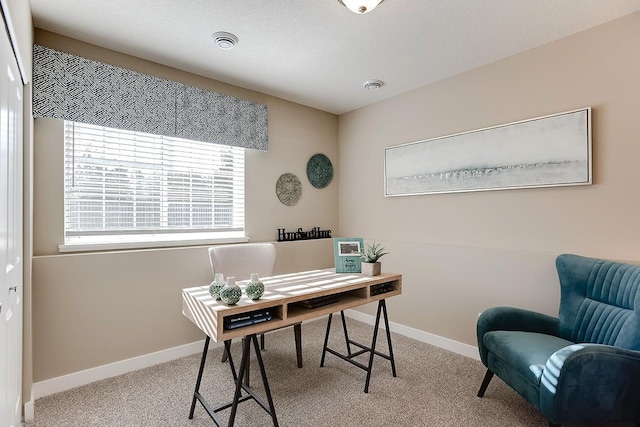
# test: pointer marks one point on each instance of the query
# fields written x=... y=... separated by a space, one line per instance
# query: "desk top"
x=284 y=297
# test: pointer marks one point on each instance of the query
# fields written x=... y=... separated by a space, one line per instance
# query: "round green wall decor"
x=319 y=170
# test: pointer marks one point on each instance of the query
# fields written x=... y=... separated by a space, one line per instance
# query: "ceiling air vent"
x=372 y=84
x=224 y=40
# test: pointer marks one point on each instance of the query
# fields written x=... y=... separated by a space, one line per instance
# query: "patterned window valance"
x=73 y=88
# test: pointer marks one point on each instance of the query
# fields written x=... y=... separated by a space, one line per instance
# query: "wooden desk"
x=284 y=296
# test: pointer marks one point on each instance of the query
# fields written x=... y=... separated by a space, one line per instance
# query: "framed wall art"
x=546 y=151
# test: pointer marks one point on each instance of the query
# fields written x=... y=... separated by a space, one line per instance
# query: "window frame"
x=104 y=169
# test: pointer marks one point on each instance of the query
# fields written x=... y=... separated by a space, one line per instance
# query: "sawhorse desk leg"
x=382 y=310
x=240 y=387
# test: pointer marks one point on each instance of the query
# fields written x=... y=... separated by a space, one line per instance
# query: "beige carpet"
x=434 y=387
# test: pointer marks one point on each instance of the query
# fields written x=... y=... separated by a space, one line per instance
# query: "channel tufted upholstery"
x=584 y=365
x=598 y=300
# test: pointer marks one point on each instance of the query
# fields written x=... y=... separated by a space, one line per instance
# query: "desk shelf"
x=283 y=297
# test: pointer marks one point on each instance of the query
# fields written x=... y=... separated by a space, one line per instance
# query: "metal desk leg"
x=240 y=386
x=382 y=307
x=246 y=373
x=326 y=339
x=232 y=366
x=263 y=373
x=244 y=365
x=196 y=393
x=350 y=357
x=226 y=352
x=386 y=326
x=297 y=332
x=346 y=334
x=246 y=346
x=372 y=352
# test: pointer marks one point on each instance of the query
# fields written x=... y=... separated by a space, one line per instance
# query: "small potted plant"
x=370 y=256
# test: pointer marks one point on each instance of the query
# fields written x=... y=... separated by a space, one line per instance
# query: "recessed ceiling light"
x=224 y=40
x=372 y=84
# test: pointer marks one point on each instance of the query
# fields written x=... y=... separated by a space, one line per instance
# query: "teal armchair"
x=584 y=365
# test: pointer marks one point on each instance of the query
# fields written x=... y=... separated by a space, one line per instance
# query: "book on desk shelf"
x=247 y=319
x=382 y=288
x=319 y=301
x=247 y=322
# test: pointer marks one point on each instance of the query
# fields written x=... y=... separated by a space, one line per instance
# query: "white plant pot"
x=370 y=268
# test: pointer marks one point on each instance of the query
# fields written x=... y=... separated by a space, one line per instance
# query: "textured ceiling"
x=317 y=52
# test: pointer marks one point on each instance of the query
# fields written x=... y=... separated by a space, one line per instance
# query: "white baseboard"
x=436 y=340
x=76 y=379
x=29 y=408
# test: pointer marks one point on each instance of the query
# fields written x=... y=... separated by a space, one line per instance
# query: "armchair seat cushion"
x=519 y=357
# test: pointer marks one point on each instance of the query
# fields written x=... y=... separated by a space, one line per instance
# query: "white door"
x=10 y=235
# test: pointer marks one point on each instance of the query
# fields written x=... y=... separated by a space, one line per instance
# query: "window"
x=131 y=187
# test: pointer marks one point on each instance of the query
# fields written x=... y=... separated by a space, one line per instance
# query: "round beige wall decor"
x=288 y=189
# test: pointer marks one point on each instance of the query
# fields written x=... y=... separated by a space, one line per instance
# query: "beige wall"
x=93 y=309
x=461 y=253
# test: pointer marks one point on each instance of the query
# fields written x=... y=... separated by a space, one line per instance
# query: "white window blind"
x=123 y=183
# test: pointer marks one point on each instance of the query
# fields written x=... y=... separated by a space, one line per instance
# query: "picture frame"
x=346 y=251
x=548 y=151
x=349 y=248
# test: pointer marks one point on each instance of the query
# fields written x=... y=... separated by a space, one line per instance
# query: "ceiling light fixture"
x=224 y=40
x=360 y=6
x=372 y=84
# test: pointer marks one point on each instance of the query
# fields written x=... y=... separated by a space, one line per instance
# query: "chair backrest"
x=600 y=301
x=243 y=259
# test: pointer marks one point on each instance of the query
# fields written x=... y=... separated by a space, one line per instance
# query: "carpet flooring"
x=433 y=387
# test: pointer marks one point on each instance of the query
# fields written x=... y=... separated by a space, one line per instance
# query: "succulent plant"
x=373 y=253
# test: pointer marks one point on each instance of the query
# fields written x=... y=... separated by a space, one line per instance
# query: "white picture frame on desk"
x=349 y=248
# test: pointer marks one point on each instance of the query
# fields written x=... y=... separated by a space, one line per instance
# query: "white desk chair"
x=240 y=261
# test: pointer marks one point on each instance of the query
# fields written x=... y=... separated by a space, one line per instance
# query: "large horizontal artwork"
x=542 y=152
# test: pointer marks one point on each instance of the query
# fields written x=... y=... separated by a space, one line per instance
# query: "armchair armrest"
x=591 y=382
x=512 y=319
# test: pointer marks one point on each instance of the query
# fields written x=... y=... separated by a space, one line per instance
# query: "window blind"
x=119 y=182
